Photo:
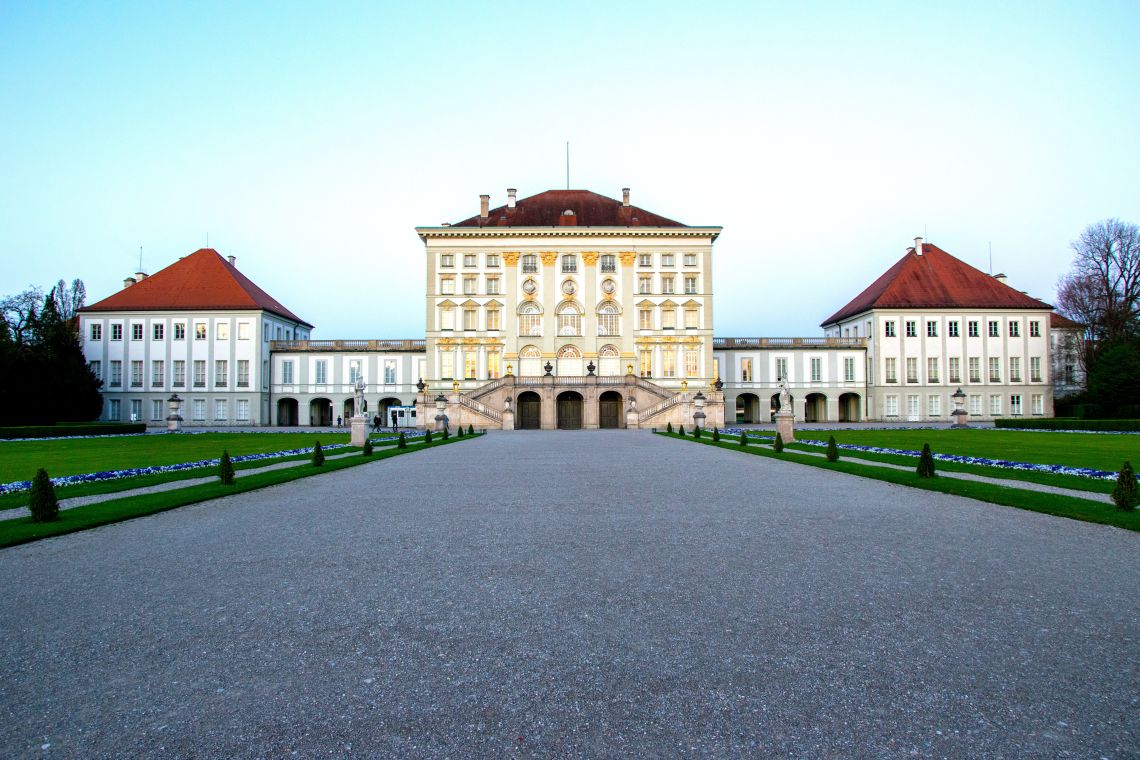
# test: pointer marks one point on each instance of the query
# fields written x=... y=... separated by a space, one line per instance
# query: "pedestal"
x=960 y=416
x=174 y=423
x=785 y=426
x=631 y=420
x=508 y=419
x=359 y=425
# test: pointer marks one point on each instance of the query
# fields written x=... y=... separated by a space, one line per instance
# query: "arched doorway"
x=609 y=410
x=350 y=408
x=382 y=407
x=529 y=411
x=748 y=408
x=287 y=412
x=775 y=406
x=849 y=407
x=815 y=408
x=569 y=410
x=320 y=412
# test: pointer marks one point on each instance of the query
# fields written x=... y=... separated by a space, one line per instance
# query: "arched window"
x=530 y=319
x=608 y=351
x=569 y=316
x=530 y=361
x=530 y=352
x=609 y=319
x=529 y=263
x=569 y=352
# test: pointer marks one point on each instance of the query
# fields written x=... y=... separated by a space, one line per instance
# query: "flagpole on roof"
x=567 y=164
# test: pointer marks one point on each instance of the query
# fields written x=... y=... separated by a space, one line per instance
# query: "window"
x=932 y=329
x=493 y=286
x=1035 y=369
x=96 y=332
x=179 y=379
x=1038 y=402
x=243 y=373
x=156 y=409
x=287 y=372
x=136 y=374
x=890 y=369
x=569 y=263
x=220 y=410
x=667 y=284
x=470 y=319
x=243 y=410
x=690 y=259
x=609 y=262
x=746 y=375
x=223 y=330
x=157 y=373
x=645 y=259
x=389 y=372
x=976 y=405
x=529 y=263
x=995 y=369
x=243 y=330
x=446 y=318
x=692 y=317
x=781 y=368
x=955 y=369
x=136 y=409
x=668 y=363
x=645 y=361
x=952 y=329
x=645 y=319
x=912 y=370
x=609 y=321
x=816 y=369
x=136 y=331
x=569 y=318
x=116 y=332
x=96 y=368
x=1015 y=404
x=447 y=259
x=892 y=405
x=995 y=405
x=644 y=284
x=932 y=369
x=158 y=331
x=116 y=374
x=1034 y=331
x=199 y=409
x=933 y=406
x=530 y=320
x=470 y=286
x=692 y=362
x=889 y=329
x=470 y=364
x=667 y=260
x=870 y=371
x=494 y=365
x=912 y=406
x=180 y=331
x=668 y=318
x=972 y=328
x=492 y=259
x=199 y=373
x=447 y=365
x=848 y=369
x=993 y=327
x=199 y=331
x=690 y=284
x=911 y=329
x=975 y=369
x=221 y=372
x=1015 y=331
x=447 y=286
x=494 y=319
x=113 y=412
x=321 y=371
x=470 y=260
x=1015 y=369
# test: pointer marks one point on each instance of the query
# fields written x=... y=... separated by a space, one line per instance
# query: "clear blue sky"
x=309 y=141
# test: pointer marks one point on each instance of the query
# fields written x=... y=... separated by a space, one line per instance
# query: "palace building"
x=570 y=309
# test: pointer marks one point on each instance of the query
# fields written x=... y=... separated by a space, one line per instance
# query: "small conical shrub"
x=459 y=433
x=832 y=449
x=470 y=430
x=226 y=470
x=778 y=446
x=43 y=504
x=318 y=455
x=402 y=443
x=696 y=431
x=716 y=434
x=367 y=447
x=445 y=435
x=427 y=436
x=669 y=427
x=1124 y=495
x=743 y=438
x=681 y=430
x=926 y=462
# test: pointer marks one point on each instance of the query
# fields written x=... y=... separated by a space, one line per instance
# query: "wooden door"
x=570 y=413
x=609 y=411
x=530 y=413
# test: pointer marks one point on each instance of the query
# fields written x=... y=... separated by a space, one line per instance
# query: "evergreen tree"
x=743 y=438
x=716 y=434
x=778 y=445
x=669 y=427
x=470 y=430
x=43 y=504
x=696 y=431
x=1125 y=494
x=318 y=455
x=459 y=433
x=681 y=430
x=226 y=469
x=832 y=450
x=367 y=447
x=446 y=434
x=926 y=462
x=402 y=443
x=427 y=436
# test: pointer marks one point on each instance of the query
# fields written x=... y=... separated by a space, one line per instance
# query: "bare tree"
x=19 y=312
x=68 y=301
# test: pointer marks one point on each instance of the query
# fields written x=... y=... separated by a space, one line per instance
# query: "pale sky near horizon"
x=309 y=141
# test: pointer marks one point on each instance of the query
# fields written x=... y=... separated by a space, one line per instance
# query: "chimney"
x=511 y=197
x=625 y=197
x=484 y=206
x=1000 y=277
x=918 y=245
x=233 y=260
x=127 y=282
x=140 y=276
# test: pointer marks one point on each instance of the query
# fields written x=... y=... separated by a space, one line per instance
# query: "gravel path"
x=599 y=593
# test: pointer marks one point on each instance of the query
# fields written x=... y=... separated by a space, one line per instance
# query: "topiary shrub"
x=778 y=444
x=681 y=430
x=226 y=470
x=926 y=462
x=459 y=433
x=696 y=431
x=1124 y=495
x=470 y=430
x=43 y=504
x=832 y=449
x=446 y=434
x=716 y=434
x=427 y=436
x=743 y=438
x=402 y=443
x=367 y=447
x=669 y=427
x=318 y=455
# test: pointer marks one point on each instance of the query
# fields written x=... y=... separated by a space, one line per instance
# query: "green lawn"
x=1103 y=452
x=20 y=459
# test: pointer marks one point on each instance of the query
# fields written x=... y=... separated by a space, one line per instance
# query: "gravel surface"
x=597 y=593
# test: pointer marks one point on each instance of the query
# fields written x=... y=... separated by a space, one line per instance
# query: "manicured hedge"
x=72 y=428
x=1068 y=423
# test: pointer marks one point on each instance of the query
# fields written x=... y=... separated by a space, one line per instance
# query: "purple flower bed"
x=94 y=477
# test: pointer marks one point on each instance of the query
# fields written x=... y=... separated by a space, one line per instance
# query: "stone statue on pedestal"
x=785 y=396
x=358 y=405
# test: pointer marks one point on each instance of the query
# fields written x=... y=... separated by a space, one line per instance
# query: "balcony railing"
x=349 y=345
x=832 y=342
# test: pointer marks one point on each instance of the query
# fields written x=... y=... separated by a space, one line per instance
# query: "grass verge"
x=1033 y=501
x=23 y=530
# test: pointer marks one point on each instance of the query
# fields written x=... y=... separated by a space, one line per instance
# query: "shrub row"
x=72 y=428
x=1068 y=423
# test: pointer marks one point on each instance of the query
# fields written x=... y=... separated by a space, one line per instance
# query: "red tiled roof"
x=198 y=282
x=935 y=280
x=590 y=210
x=1061 y=322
